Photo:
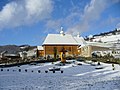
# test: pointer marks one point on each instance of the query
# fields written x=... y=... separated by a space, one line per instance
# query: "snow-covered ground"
x=110 y=39
x=74 y=77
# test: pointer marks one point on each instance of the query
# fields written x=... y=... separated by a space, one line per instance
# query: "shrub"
x=46 y=71
x=38 y=71
x=1 y=69
x=62 y=71
x=53 y=71
x=25 y=70
x=19 y=70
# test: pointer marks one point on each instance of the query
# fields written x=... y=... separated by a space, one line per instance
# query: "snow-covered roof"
x=40 y=48
x=99 y=44
x=58 y=39
x=80 y=40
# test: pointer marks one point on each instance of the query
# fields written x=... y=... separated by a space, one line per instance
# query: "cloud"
x=118 y=25
x=81 y=19
x=93 y=10
x=92 y=13
x=24 y=12
x=53 y=25
x=110 y=21
x=66 y=21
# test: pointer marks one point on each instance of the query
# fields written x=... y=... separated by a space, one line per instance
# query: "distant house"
x=104 y=42
x=56 y=42
x=40 y=51
x=116 y=50
x=9 y=51
x=28 y=52
x=32 y=53
x=90 y=47
x=23 y=55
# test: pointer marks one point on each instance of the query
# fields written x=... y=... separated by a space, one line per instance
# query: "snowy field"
x=74 y=77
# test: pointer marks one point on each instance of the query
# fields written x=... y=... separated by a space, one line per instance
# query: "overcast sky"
x=29 y=21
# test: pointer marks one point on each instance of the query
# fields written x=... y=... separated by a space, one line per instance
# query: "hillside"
x=107 y=37
x=10 y=48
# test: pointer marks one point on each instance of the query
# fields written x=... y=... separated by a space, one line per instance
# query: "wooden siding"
x=40 y=53
x=71 y=49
